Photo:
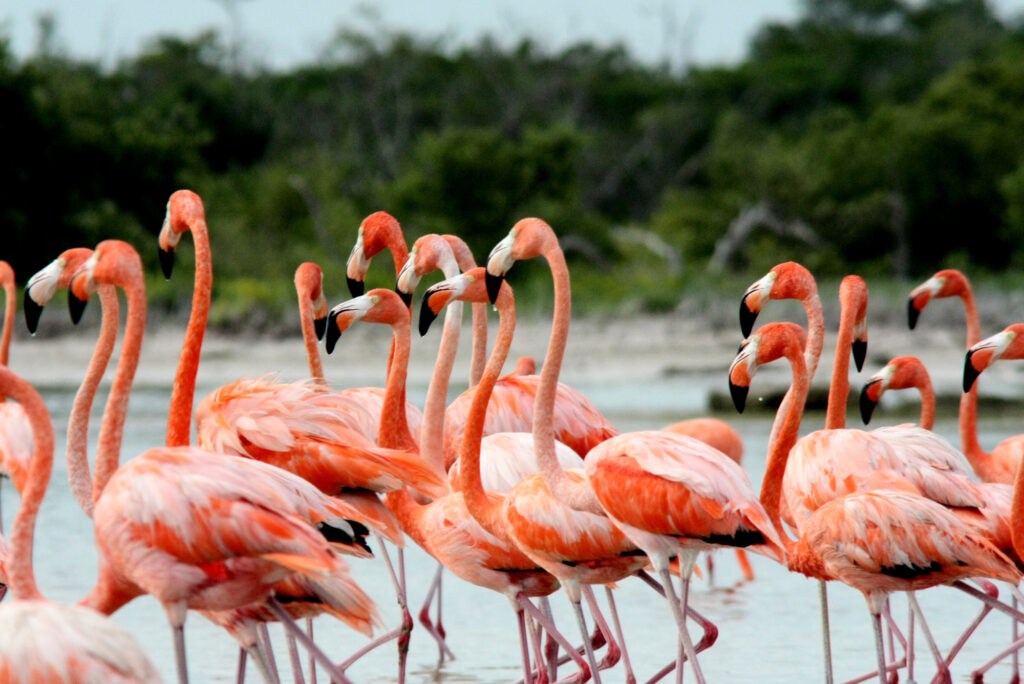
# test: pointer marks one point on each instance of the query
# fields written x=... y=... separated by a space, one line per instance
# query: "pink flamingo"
x=643 y=481
x=41 y=640
x=15 y=434
x=913 y=542
x=445 y=527
x=378 y=231
x=195 y=529
x=1000 y=464
x=39 y=290
x=578 y=547
x=359 y=406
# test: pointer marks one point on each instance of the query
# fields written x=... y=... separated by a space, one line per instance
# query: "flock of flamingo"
x=520 y=485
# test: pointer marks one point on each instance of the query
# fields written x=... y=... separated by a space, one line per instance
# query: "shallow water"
x=768 y=628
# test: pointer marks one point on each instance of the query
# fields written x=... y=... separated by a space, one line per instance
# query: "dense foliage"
x=885 y=136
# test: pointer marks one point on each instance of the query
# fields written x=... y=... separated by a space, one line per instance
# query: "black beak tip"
x=970 y=373
x=867 y=406
x=912 y=314
x=320 y=327
x=356 y=287
x=860 y=351
x=32 y=313
x=739 y=396
x=333 y=334
x=405 y=296
x=167 y=262
x=747 y=318
x=76 y=307
x=427 y=317
x=493 y=286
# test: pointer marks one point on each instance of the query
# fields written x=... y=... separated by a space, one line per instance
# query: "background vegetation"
x=879 y=136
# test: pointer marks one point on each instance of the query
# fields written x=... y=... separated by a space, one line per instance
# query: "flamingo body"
x=37 y=636
x=713 y=431
x=15 y=443
x=677 y=486
x=507 y=458
x=577 y=422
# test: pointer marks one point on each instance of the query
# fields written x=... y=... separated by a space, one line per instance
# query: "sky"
x=681 y=32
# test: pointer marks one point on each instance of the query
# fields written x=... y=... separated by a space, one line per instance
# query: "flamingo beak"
x=320 y=326
x=912 y=313
x=493 y=286
x=32 y=312
x=427 y=316
x=333 y=332
x=166 y=261
x=748 y=316
x=356 y=287
x=860 y=351
x=867 y=403
x=739 y=395
x=405 y=296
x=971 y=372
x=499 y=261
x=76 y=306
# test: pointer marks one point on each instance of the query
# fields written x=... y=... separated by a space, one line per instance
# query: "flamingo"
x=644 y=481
x=880 y=541
x=361 y=406
x=308 y=432
x=41 y=640
x=1000 y=464
x=377 y=232
x=577 y=546
x=39 y=290
x=902 y=372
x=446 y=527
x=15 y=434
x=192 y=528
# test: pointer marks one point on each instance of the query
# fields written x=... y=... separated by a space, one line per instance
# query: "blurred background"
x=680 y=149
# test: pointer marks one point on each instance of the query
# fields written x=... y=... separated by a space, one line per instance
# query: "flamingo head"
x=853 y=291
x=529 y=238
x=771 y=342
x=901 y=372
x=1007 y=344
x=378 y=231
x=42 y=286
x=113 y=262
x=873 y=389
x=184 y=208
x=948 y=282
x=788 y=280
x=376 y=306
x=309 y=284
x=471 y=287
x=429 y=253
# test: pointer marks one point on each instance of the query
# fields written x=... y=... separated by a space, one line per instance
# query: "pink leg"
x=553 y=631
x=677 y=606
x=312 y=660
x=293 y=655
x=602 y=624
x=892 y=669
x=527 y=673
x=289 y=624
x=240 y=677
x=979 y=674
x=926 y=631
x=435 y=630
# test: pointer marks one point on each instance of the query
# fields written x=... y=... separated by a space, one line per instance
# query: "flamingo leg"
x=240 y=677
x=926 y=631
x=587 y=646
x=312 y=660
x=293 y=656
x=550 y=645
x=978 y=675
x=268 y=673
x=876 y=623
x=826 y=633
x=538 y=652
x=592 y=601
x=266 y=649
x=988 y=600
x=289 y=624
x=893 y=667
x=434 y=628
x=179 y=653
x=553 y=631
x=1014 y=634
x=524 y=650
x=677 y=613
x=910 y=646
x=744 y=563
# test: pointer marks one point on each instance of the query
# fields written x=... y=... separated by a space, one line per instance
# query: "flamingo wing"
x=507 y=458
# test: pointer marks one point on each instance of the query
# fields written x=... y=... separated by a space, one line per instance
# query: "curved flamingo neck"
x=1017 y=513
x=432 y=426
x=316 y=364
x=839 y=388
x=10 y=304
x=967 y=418
x=179 y=419
x=576 y=494
x=927 y=404
x=78 y=424
x=464 y=258
x=486 y=510
x=108 y=447
x=20 y=575
x=815 y=333
x=394 y=426
x=781 y=444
